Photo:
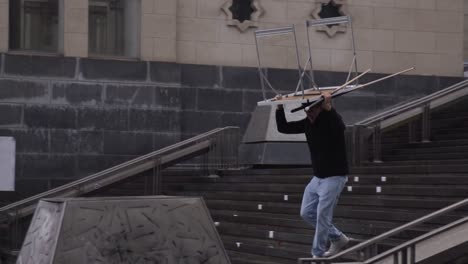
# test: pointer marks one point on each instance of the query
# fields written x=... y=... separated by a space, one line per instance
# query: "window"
x=35 y=24
x=114 y=27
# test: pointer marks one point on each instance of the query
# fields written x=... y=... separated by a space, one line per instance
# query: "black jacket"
x=325 y=138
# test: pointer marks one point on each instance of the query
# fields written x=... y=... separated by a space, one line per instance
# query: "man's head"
x=313 y=112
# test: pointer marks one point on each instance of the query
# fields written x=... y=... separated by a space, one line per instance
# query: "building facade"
x=88 y=84
x=390 y=34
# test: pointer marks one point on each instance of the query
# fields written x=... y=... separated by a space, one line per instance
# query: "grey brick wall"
x=72 y=117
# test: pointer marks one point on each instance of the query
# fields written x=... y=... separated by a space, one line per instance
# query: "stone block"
x=200 y=75
x=43 y=66
x=194 y=123
x=328 y=78
x=77 y=4
x=64 y=141
x=427 y=64
x=77 y=20
x=219 y=53
x=445 y=82
x=77 y=93
x=219 y=100
x=167 y=97
x=240 y=78
x=210 y=9
x=186 y=52
x=147 y=6
x=47 y=165
x=130 y=95
x=76 y=44
x=127 y=143
x=417 y=4
x=165 y=49
x=102 y=118
x=188 y=98
x=276 y=11
x=113 y=70
x=298 y=12
x=187 y=8
x=193 y=29
x=451 y=65
x=363 y=16
x=386 y=87
x=453 y=5
x=391 y=62
x=341 y=60
x=231 y=34
x=159 y=26
x=428 y=20
x=240 y=120
x=50 y=117
x=162 y=140
x=321 y=59
x=359 y=100
x=408 y=85
x=249 y=56
x=165 y=72
x=90 y=163
x=413 y=41
x=449 y=43
x=375 y=39
x=91 y=141
x=23 y=91
x=146 y=48
x=11 y=114
x=31 y=140
x=25 y=188
x=394 y=18
x=166 y=7
x=284 y=80
x=153 y=120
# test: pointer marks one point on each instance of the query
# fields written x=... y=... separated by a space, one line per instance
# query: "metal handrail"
x=379 y=238
x=413 y=104
x=411 y=244
x=126 y=169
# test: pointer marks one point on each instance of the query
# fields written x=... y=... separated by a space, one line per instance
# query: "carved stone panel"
x=136 y=230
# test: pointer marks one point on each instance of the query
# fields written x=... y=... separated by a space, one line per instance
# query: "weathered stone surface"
x=127 y=143
x=11 y=114
x=50 y=117
x=31 y=140
x=200 y=75
x=199 y=122
x=154 y=120
x=77 y=93
x=46 y=166
x=64 y=141
x=130 y=95
x=102 y=118
x=241 y=78
x=219 y=100
x=166 y=72
x=23 y=91
x=47 y=66
x=113 y=70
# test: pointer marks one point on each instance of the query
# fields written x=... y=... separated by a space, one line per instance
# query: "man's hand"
x=279 y=97
x=326 y=104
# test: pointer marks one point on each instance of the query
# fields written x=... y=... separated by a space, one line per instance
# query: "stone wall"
x=75 y=116
x=390 y=34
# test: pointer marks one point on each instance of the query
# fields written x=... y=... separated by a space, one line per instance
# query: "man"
x=324 y=130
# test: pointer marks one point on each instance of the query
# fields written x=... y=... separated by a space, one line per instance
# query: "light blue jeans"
x=319 y=200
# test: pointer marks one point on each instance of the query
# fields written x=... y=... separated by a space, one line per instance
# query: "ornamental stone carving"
x=242 y=13
x=327 y=9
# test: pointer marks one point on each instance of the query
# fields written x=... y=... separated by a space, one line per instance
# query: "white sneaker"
x=336 y=246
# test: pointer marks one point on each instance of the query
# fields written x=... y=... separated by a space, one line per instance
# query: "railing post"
x=411 y=132
x=426 y=123
x=377 y=137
